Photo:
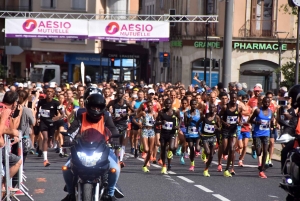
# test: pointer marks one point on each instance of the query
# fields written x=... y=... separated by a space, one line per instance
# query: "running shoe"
x=132 y=151
x=170 y=154
x=186 y=155
x=219 y=168
x=254 y=154
x=169 y=168
x=241 y=163
x=192 y=168
x=57 y=150
x=160 y=162
x=145 y=169
x=122 y=164
x=46 y=163
x=163 y=170
x=270 y=163
x=19 y=192
x=61 y=155
x=198 y=153
x=40 y=153
x=154 y=161
x=182 y=162
x=203 y=156
x=232 y=172
x=227 y=173
x=262 y=175
x=225 y=157
x=136 y=153
x=31 y=151
x=205 y=173
x=178 y=151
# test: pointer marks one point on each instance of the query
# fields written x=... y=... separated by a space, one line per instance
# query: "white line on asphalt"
x=220 y=197
x=185 y=179
x=171 y=172
x=154 y=165
x=204 y=188
x=251 y=166
x=140 y=159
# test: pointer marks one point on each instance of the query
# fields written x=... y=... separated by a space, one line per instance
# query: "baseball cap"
x=257 y=88
x=286 y=95
x=20 y=85
x=52 y=84
x=160 y=90
x=151 y=91
x=136 y=89
x=283 y=89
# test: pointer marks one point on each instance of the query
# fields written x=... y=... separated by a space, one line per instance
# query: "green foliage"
x=288 y=10
x=288 y=71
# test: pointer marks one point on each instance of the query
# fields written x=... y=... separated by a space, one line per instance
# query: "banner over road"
x=129 y=30
x=46 y=28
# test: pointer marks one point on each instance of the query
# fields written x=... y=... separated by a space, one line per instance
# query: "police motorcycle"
x=291 y=168
x=90 y=165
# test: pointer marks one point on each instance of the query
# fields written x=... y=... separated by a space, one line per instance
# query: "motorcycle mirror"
x=284 y=138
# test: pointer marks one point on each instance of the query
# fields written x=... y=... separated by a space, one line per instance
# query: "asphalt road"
x=46 y=184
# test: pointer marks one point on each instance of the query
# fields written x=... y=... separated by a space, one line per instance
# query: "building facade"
x=69 y=53
x=259 y=29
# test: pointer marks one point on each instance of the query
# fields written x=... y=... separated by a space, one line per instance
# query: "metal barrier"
x=10 y=194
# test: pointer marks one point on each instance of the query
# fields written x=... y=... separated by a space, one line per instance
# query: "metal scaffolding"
x=93 y=16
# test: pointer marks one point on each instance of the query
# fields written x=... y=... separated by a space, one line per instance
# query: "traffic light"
x=112 y=62
x=166 y=59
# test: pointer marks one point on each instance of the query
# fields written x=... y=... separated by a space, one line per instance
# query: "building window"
x=48 y=4
x=262 y=23
x=79 y=4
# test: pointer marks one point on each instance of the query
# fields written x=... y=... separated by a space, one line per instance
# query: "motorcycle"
x=290 y=181
x=90 y=165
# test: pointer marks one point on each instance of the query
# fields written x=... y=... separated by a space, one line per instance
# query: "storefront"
x=252 y=62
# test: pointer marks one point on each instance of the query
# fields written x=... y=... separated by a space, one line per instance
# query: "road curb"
x=276 y=154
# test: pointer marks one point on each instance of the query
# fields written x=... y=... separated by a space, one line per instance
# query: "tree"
x=288 y=70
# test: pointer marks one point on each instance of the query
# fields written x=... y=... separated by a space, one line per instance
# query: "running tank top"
x=167 y=127
x=231 y=117
x=208 y=128
x=120 y=109
x=246 y=125
x=148 y=120
x=192 y=130
x=137 y=104
x=264 y=128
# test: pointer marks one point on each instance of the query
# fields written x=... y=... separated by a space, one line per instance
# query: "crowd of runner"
x=157 y=121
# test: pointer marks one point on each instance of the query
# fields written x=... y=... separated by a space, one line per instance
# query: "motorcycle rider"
x=95 y=111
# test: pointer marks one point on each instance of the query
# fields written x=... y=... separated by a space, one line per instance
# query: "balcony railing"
x=258 y=28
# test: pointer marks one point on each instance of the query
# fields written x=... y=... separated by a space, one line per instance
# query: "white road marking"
x=204 y=188
x=140 y=159
x=220 y=197
x=154 y=165
x=171 y=172
x=251 y=166
x=185 y=179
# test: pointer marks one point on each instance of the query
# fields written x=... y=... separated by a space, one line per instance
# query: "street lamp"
x=279 y=55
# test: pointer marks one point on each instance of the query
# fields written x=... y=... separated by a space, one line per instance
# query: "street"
x=47 y=183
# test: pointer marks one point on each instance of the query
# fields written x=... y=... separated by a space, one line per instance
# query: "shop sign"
x=259 y=46
x=176 y=43
x=202 y=44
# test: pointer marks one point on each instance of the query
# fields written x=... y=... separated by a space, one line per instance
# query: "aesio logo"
x=29 y=25
x=112 y=28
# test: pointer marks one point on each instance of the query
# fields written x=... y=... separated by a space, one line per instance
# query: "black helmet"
x=91 y=90
x=95 y=101
x=293 y=93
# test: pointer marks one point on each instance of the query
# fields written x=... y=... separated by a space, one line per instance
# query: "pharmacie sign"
x=261 y=46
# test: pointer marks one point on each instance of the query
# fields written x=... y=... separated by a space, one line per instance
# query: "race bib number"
x=231 y=119
x=45 y=113
x=192 y=130
x=245 y=119
x=118 y=112
x=264 y=125
x=168 y=125
x=209 y=128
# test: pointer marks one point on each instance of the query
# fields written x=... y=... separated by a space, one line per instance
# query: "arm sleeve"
x=110 y=125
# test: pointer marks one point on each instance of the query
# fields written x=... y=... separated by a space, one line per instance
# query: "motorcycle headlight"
x=89 y=161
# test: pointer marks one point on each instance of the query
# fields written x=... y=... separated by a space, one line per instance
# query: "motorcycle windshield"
x=92 y=136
